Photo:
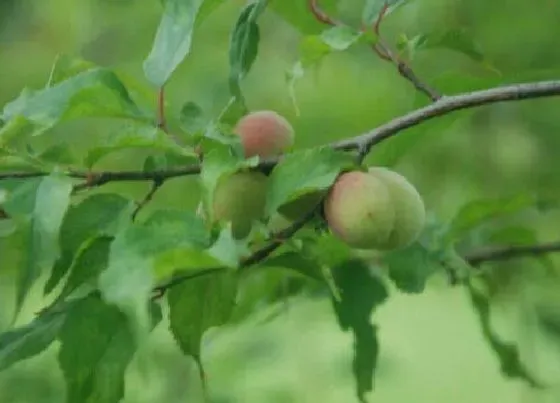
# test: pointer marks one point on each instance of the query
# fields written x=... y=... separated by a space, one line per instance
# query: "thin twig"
x=510 y=252
x=320 y=15
x=162 y=124
x=362 y=142
x=156 y=184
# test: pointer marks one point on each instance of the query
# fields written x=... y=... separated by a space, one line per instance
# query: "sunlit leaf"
x=173 y=39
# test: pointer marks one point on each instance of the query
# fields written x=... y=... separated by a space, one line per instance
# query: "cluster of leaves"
x=108 y=271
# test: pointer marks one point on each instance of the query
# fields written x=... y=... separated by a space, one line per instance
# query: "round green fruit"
x=240 y=199
x=264 y=133
x=378 y=209
x=410 y=212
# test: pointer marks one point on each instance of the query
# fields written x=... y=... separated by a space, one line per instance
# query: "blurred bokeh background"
x=431 y=347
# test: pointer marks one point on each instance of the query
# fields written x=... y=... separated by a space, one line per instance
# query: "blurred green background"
x=431 y=346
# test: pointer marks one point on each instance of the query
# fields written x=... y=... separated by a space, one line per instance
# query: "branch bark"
x=511 y=252
x=364 y=141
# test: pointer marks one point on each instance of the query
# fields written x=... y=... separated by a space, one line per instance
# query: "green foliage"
x=110 y=275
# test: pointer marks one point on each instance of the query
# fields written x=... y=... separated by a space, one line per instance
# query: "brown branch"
x=362 y=142
x=511 y=252
x=319 y=14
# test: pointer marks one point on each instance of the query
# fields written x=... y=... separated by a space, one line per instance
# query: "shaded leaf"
x=507 y=353
x=361 y=293
x=372 y=8
x=96 y=216
x=197 y=305
x=302 y=172
x=193 y=119
x=93 y=93
x=134 y=268
x=136 y=135
x=173 y=39
x=29 y=340
x=41 y=204
x=478 y=212
x=97 y=346
x=66 y=66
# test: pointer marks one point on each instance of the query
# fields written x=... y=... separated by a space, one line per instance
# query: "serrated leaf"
x=507 y=353
x=94 y=93
x=302 y=172
x=29 y=340
x=477 y=212
x=199 y=304
x=97 y=346
x=173 y=40
x=41 y=204
x=96 y=216
x=361 y=293
x=372 y=8
x=411 y=267
x=132 y=271
x=136 y=135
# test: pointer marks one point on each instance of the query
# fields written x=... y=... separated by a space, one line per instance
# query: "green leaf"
x=478 y=212
x=361 y=293
x=136 y=135
x=15 y=129
x=507 y=353
x=173 y=40
x=133 y=268
x=298 y=263
x=372 y=8
x=411 y=267
x=303 y=172
x=41 y=204
x=193 y=119
x=66 y=66
x=93 y=93
x=29 y=340
x=97 y=346
x=98 y=215
x=243 y=48
x=297 y=13
x=197 y=305
x=457 y=39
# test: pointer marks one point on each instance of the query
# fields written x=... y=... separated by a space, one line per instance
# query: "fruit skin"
x=359 y=210
x=240 y=199
x=264 y=133
x=410 y=212
x=378 y=209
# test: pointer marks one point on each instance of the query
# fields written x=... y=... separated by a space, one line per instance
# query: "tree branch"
x=362 y=142
x=510 y=252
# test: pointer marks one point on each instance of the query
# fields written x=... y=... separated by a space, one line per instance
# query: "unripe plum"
x=264 y=133
x=240 y=199
x=378 y=209
x=410 y=212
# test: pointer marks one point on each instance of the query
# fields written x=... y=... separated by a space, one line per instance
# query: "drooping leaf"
x=303 y=172
x=131 y=135
x=97 y=345
x=99 y=215
x=94 y=93
x=507 y=353
x=199 y=304
x=478 y=212
x=360 y=293
x=134 y=268
x=243 y=48
x=29 y=340
x=173 y=40
x=41 y=204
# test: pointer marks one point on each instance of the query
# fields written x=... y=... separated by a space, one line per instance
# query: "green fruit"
x=240 y=199
x=410 y=212
x=378 y=209
x=264 y=133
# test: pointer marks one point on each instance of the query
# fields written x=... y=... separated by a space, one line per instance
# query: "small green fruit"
x=264 y=133
x=240 y=199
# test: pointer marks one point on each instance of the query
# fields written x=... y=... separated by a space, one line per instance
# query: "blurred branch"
x=162 y=124
x=362 y=143
x=156 y=184
x=511 y=252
